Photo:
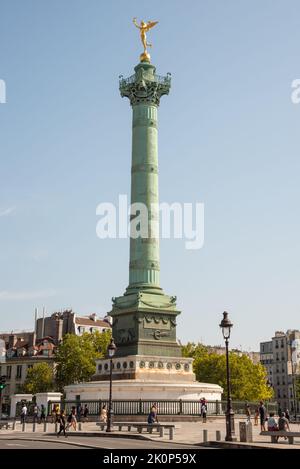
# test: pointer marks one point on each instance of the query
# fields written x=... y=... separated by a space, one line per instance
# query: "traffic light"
x=2 y=382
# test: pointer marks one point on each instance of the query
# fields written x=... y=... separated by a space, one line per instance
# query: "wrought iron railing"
x=165 y=407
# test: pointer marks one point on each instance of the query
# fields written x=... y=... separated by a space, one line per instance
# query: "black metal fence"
x=170 y=407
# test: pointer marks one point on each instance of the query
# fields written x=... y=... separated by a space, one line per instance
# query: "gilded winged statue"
x=144 y=28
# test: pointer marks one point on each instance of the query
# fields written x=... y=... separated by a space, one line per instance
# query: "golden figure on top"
x=144 y=28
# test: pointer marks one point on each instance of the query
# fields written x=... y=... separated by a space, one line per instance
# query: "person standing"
x=263 y=416
x=35 y=413
x=287 y=415
x=23 y=413
x=248 y=412
x=43 y=413
x=79 y=412
x=85 y=412
x=256 y=415
x=203 y=412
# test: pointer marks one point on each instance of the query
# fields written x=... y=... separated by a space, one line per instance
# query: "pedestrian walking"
x=62 y=424
x=103 y=414
x=72 y=421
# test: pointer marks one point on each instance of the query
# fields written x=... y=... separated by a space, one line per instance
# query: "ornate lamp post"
x=111 y=350
x=226 y=326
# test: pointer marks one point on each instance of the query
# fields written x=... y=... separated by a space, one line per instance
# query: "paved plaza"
x=186 y=434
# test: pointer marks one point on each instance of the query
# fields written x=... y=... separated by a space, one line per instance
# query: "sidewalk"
x=185 y=433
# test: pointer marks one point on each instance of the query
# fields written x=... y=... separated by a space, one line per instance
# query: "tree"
x=39 y=379
x=76 y=355
x=248 y=380
x=193 y=350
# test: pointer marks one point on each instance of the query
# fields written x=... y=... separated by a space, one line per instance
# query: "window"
x=19 y=372
x=46 y=353
x=8 y=372
x=263 y=348
x=278 y=393
x=276 y=346
x=282 y=357
x=282 y=344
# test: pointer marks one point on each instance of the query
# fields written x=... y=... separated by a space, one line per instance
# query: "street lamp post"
x=111 y=350
x=226 y=326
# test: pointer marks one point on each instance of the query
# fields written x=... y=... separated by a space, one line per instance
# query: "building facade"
x=68 y=322
x=23 y=350
x=281 y=358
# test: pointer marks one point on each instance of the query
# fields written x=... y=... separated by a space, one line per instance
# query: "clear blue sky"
x=228 y=137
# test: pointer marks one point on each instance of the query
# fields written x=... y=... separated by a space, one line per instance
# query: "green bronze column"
x=144 y=318
x=144 y=90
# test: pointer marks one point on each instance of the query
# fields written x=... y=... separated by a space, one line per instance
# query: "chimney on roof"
x=93 y=317
x=12 y=339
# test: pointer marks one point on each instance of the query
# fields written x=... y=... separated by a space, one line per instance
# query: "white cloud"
x=7 y=211
x=26 y=295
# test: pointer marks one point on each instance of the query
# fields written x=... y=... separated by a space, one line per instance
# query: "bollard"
x=45 y=427
x=80 y=426
x=23 y=427
x=56 y=427
x=14 y=424
x=218 y=435
x=204 y=436
x=33 y=426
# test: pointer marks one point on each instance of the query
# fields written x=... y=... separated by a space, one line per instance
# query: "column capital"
x=145 y=86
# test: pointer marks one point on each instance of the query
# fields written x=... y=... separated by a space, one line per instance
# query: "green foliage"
x=248 y=380
x=192 y=350
x=39 y=379
x=76 y=355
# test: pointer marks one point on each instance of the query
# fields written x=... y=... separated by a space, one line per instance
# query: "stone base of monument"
x=144 y=389
x=145 y=377
x=149 y=367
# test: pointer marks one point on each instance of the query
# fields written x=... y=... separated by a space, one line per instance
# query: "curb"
x=65 y=441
